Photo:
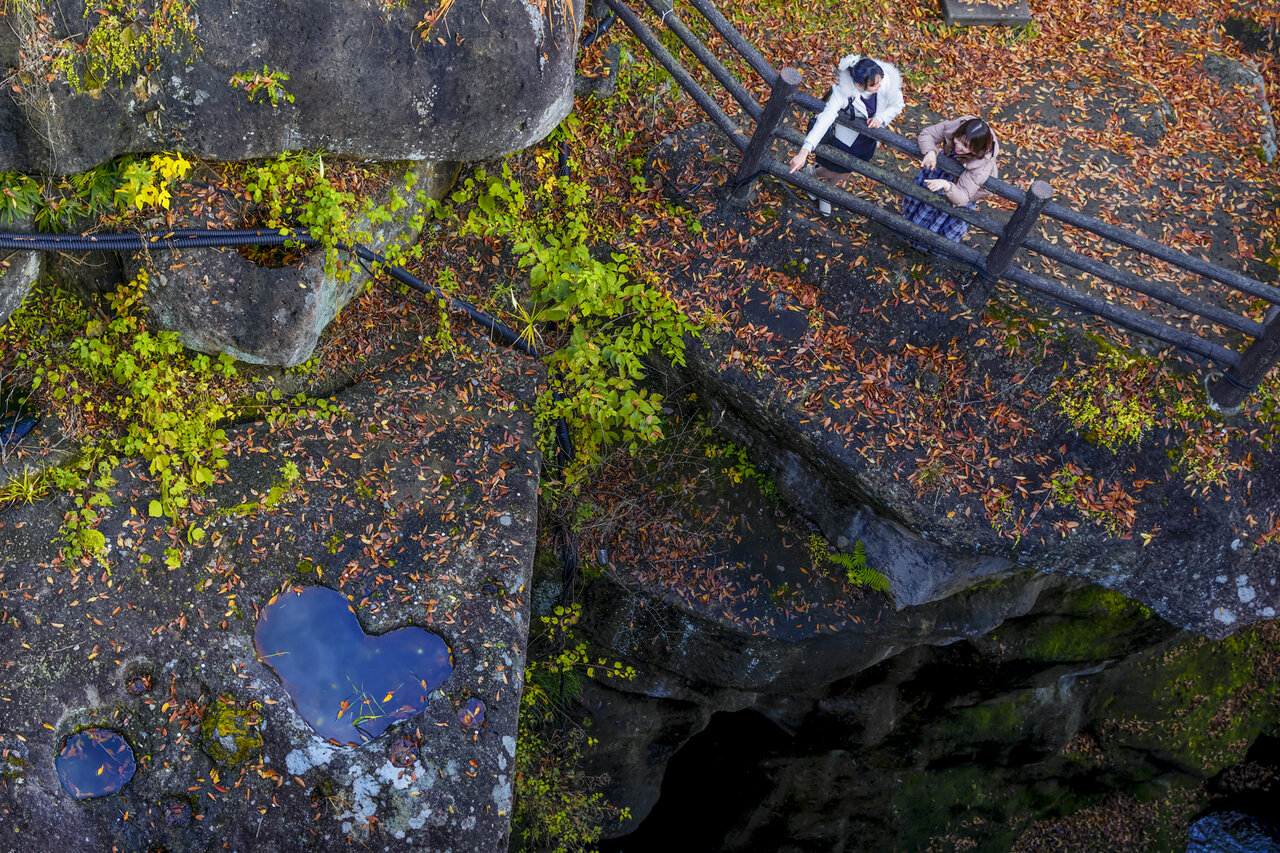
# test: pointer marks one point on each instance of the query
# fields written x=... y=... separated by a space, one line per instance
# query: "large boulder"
x=365 y=78
x=1249 y=83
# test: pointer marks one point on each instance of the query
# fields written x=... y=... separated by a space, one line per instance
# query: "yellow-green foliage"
x=118 y=194
x=146 y=184
x=293 y=192
x=126 y=36
x=557 y=806
x=127 y=392
x=1109 y=402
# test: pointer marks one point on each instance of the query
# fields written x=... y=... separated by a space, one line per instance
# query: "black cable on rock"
x=179 y=239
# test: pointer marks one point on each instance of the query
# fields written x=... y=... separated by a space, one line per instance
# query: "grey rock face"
x=487 y=80
x=220 y=302
x=1236 y=74
x=17 y=273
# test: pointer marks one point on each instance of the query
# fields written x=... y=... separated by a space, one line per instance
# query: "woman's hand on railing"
x=929 y=160
x=873 y=122
x=798 y=161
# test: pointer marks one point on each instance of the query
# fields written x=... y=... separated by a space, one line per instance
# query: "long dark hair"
x=865 y=69
x=976 y=133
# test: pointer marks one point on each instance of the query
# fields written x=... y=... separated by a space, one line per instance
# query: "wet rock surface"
x=364 y=80
x=395 y=504
x=812 y=716
x=18 y=271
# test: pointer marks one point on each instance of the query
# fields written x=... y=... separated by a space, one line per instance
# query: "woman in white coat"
x=865 y=88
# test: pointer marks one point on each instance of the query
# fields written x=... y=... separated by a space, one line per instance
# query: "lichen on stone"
x=231 y=733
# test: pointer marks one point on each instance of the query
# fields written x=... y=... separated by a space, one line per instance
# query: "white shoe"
x=824 y=207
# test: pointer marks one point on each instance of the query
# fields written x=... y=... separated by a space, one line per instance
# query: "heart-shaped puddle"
x=349 y=685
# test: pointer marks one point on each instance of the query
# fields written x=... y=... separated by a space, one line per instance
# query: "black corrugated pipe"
x=214 y=238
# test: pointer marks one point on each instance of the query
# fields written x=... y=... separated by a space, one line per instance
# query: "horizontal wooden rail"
x=1178 y=258
x=730 y=34
x=1128 y=280
x=1128 y=318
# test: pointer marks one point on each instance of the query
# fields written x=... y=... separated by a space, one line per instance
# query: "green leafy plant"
x=857 y=571
x=1204 y=458
x=1112 y=507
x=29 y=487
x=1110 y=401
x=120 y=193
x=62 y=203
x=293 y=191
x=264 y=85
x=132 y=392
x=147 y=183
x=557 y=806
x=610 y=317
x=739 y=467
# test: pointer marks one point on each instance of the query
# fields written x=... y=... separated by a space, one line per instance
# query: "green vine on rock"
x=607 y=317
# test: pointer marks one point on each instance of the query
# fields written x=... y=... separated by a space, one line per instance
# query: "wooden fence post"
x=1229 y=391
x=1007 y=245
x=770 y=118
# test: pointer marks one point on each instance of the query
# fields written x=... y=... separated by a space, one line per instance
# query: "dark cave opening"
x=708 y=787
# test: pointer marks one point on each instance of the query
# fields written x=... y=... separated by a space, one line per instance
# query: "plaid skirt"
x=935 y=220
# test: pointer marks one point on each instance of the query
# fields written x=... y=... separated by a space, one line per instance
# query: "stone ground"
x=850 y=365
x=417 y=500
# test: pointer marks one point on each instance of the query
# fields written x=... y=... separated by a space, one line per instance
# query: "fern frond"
x=868 y=577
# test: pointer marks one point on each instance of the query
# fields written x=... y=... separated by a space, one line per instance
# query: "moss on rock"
x=231 y=733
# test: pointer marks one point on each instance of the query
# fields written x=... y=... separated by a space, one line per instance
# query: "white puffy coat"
x=845 y=93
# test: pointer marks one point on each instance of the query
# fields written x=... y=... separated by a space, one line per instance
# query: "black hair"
x=976 y=133
x=865 y=69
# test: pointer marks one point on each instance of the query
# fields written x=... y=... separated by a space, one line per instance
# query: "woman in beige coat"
x=969 y=141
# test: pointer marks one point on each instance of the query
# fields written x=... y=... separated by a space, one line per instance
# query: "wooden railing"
x=1241 y=372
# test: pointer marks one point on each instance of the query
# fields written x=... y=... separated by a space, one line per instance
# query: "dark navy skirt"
x=863 y=147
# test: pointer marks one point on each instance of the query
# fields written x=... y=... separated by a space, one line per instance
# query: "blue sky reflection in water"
x=349 y=685
x=94 y=762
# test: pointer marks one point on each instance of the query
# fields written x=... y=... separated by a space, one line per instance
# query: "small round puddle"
x=94 y=762
x=349 y=685
x=472 y=714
